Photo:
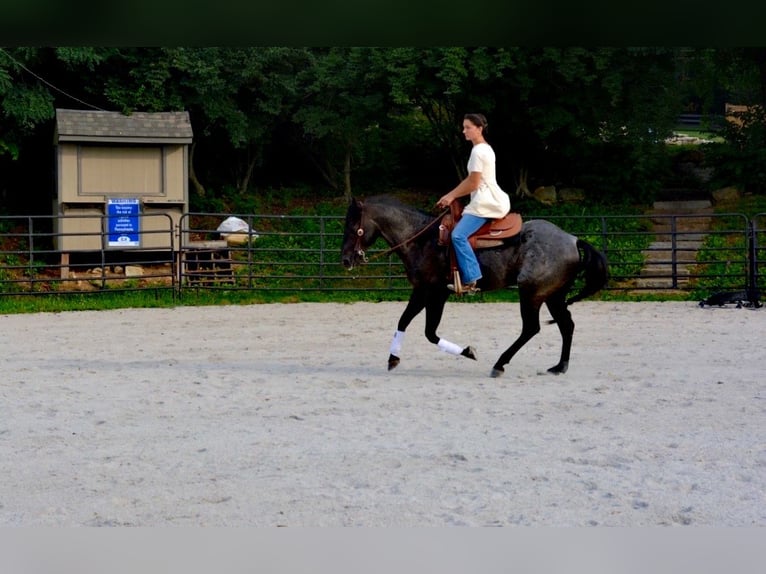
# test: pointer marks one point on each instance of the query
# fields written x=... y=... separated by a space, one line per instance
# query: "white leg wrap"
x=396 y=343
x=448 y=347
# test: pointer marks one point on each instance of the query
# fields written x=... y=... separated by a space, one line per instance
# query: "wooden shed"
x=118 y=170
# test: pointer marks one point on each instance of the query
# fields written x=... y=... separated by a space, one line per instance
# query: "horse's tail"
x=594 y=269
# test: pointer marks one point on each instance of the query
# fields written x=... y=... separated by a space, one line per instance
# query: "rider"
x=488 y=201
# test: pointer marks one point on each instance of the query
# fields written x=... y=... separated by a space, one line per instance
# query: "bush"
x=741 y=159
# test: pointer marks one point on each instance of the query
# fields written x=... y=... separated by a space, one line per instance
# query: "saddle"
x=491 y=234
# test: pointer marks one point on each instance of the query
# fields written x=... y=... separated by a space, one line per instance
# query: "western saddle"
x=492 y=234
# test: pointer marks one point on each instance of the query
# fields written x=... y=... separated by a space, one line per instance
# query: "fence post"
x=673 y=254
x=322 y=244
x=752 y=277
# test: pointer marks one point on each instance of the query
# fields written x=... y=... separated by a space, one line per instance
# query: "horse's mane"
x=393 y=202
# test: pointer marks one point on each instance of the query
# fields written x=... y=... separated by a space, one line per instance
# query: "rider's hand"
x=445 y=200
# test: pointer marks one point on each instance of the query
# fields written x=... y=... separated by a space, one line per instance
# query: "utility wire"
x=47 y=83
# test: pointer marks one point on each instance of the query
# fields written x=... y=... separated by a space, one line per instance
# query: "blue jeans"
x=466 y=258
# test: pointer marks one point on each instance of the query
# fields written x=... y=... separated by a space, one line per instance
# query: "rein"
x=360 y=233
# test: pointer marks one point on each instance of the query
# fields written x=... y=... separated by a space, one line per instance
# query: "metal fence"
x=32 y=264
x=279 y=253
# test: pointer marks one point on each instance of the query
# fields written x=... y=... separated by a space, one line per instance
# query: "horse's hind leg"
x=563 y=318
x=530 y=317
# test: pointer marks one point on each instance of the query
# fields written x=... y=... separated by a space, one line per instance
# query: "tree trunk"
x=521 y=186
x=347 y=174
x=199 y=189
x=440 y=117
x=325 y=169
x=245 y=182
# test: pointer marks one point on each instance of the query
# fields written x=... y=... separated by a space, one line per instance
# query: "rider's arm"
x=465 y=187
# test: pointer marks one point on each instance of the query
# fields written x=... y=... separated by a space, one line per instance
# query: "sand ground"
x=285 y=415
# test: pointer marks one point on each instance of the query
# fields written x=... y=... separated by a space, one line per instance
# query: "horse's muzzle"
x=356 y=257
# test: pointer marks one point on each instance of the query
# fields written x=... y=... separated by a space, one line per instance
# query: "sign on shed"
x=123 y=222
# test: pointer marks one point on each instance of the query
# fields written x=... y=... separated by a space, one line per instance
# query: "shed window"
x=107 y=170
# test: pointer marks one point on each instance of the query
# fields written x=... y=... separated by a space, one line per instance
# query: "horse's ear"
x=358 y=202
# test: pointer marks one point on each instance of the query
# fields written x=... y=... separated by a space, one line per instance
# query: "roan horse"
x=543 y=260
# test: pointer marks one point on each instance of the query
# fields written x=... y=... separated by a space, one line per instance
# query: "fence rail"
x=281 y=253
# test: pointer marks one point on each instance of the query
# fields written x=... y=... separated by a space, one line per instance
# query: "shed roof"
x=138 y=127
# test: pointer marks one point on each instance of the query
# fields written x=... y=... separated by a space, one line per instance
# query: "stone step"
x=660 y=282
x=681 y=245
x=681 y=214
x=666 y=235
x=658 y=271
x=691 y=205
x=682 y=224
x=663 y=290
x=685 y=251
x=677 y=241
x=657 y=257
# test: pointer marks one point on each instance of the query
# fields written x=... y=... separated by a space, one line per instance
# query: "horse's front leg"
x=434 y=312
x=414 y=306
x=433 y=302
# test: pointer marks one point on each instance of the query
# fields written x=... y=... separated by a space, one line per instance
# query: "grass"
x=101 y=301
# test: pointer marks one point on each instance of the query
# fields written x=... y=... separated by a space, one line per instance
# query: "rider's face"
x=471 y=131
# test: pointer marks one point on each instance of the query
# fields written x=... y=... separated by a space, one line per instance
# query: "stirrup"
x=460 y=289
x=470 y=289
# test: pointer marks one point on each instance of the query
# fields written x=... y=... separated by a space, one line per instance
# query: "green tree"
x=345 y=102
x=591 y=117
x=25 y=102
x=33 y=82
x=440 y=85
x=236 y=98
x=554 y=112
x=740 y=73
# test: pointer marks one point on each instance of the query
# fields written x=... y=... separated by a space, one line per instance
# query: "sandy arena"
x=285 y=415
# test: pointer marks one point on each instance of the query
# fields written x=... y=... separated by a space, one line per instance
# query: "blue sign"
x=123 y=222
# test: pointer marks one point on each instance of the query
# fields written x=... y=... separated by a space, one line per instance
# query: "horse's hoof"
x=469 y=352
x=496 y=372
x=393 y=361
x=559 y=369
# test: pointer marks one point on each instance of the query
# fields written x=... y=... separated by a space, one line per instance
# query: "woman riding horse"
x=543 y=260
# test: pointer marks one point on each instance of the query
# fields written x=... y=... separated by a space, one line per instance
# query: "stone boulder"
x=725 y=194
x=571 y=194
x=545 y=194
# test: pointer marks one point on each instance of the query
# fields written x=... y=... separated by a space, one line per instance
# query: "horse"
x=542 y=260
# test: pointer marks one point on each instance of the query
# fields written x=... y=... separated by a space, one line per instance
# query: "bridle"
x=360 y=233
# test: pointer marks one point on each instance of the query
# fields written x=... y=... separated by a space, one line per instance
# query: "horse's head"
x=358 y=234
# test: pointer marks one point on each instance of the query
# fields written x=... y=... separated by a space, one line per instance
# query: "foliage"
x=741 y=160
x=736 y=75
x=24 y=104
x=334 y=120
x=346 y=114
x=721 y=265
